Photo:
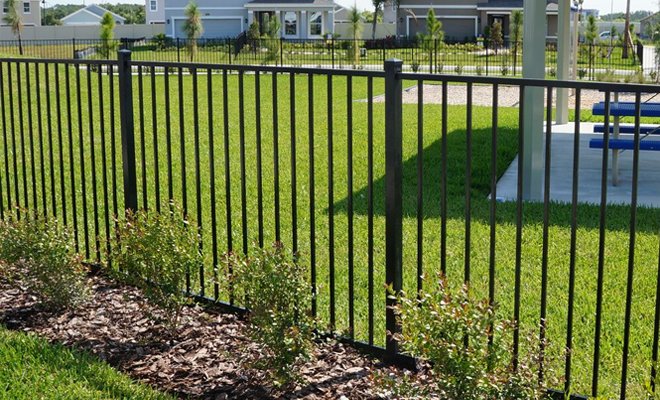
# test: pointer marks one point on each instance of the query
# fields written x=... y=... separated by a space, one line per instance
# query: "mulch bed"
x=204 y=359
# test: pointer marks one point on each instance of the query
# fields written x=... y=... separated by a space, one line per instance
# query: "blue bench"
x=625 y=144
x=629 y=128
x=627 y=109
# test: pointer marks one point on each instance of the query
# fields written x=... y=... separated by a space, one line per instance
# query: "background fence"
x=368 y=187
x=595 y=62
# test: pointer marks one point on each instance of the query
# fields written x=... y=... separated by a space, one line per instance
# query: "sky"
x=603 y=5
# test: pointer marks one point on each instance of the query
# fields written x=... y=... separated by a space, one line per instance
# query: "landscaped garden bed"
x=207 y=356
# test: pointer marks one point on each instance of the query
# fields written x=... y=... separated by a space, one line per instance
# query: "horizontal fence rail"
x=598 y=61
x=371 y=186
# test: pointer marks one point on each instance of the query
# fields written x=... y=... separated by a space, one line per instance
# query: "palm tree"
x=192 y=26
x=378 y=7
x=15 y=22
x=516 y=29
x=626 y=32
x=355 y=27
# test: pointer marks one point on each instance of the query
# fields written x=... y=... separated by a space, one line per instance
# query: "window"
x=316 y=24
x=26 y=7
x=153 y=5
x=290 y=24
x=5 y=8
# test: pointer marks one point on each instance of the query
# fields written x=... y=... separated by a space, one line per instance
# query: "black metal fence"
x=369 y=185
x=601 y=61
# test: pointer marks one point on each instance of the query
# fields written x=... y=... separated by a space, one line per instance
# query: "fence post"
x=393 y=195
x=281 y=52
x=127 y=130
x=487 y=56
x=333 y=52
x=229 y=48
x=73 y=45
x=178 y=50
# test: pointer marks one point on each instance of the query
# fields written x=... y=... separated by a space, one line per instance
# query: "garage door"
x=455 y=29
x=213 y=28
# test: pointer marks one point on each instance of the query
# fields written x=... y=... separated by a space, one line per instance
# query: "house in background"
x=154 y=12
x=389 y=13
x=299 y=19
x=90 y=15
x=648 y=24
x=28 y=10
x=463 y=20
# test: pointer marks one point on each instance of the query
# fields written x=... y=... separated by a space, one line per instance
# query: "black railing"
x=599 y=61
x=369 y=188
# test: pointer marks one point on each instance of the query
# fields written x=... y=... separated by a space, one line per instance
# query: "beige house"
x=28 y=10
x=464 y=20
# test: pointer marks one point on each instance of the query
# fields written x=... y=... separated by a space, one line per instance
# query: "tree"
x=378 y=9
x=591 y=32
x=355 y=29
x=496 y=39
x=107 y=34
x=192 y=26
x=272 y=43
x=626 y=32
x=434 y=34
x=516 y=29
x=13 y=19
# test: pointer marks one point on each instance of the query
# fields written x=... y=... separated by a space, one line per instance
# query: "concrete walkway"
x=590 y=163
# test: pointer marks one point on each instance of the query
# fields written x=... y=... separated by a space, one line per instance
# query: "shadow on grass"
x=618 y=216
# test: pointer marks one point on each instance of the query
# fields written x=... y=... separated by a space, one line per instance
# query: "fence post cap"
x=393 y=64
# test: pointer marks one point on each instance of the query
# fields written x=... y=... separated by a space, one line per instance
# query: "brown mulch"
x=204 y=359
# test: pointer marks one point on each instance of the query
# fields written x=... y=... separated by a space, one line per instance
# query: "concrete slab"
x=589 y=176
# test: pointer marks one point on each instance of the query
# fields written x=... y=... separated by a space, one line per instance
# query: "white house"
x=90 y=15
x=299 y=19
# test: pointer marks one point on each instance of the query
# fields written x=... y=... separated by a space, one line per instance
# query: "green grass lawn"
x=31 y=368
x=209 y=122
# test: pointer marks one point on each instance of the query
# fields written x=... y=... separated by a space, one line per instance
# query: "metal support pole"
x=393 y=196
x=127 y=130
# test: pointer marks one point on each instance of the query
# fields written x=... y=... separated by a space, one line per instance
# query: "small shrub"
x=607 y=76
x=415 y=66
x=552 y=71
x=161 y=41
x=439 y=68
x=154 y=252
x=278 y=297
x=458 y=69
x=436 y=327
x=41 y=251
x=480 y=70
x=654 y=76
x=582 y=73
x=505 y=70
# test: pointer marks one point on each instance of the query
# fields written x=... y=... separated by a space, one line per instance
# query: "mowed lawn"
x=185 y=110
x=31 y=368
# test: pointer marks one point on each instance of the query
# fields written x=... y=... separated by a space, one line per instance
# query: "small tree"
x=355 y=29
x=496 y=39
x=272 y=44
x=434 y=34
x=516 y=28
x=378 y=9
x=253 y=33
x=13 y=19
x=193 y=28
x=591 y=32
x=107 y=35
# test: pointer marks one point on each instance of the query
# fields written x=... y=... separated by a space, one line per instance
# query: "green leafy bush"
x=42 y=252
x=450 y=331
x=278 y=297
x=154 y=252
